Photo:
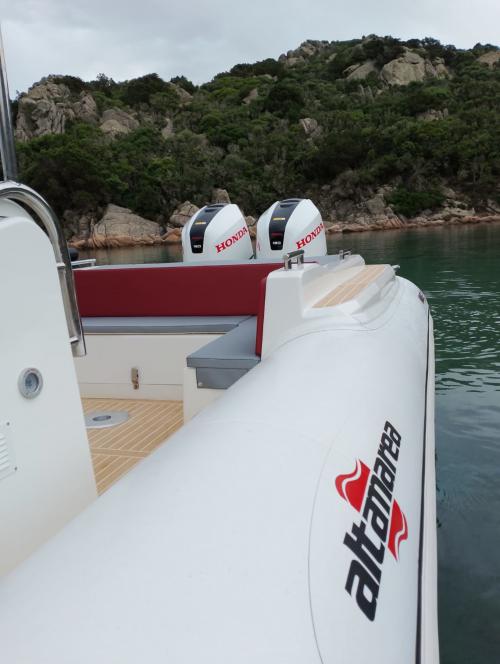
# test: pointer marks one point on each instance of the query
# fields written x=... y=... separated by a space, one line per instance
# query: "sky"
x=198 y=38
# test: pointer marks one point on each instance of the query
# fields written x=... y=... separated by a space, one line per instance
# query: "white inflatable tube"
x=291 y=522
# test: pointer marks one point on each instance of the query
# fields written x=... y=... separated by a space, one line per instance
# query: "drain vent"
x=103 y=419
x=7 y=465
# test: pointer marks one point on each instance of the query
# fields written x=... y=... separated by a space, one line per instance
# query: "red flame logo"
x=398 y=530
x=352 y=486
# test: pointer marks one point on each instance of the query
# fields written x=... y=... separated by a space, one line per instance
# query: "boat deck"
x=115 y=450
x=351 y=288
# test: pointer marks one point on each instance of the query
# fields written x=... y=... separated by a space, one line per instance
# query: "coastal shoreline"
x=331 y=228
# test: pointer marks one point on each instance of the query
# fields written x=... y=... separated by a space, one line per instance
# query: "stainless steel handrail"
x=84 y=262
x=7 y=145
x=39 y=206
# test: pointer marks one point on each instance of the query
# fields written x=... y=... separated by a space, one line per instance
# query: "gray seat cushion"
x=234 y=350
x=223 y=361
x=162 y=324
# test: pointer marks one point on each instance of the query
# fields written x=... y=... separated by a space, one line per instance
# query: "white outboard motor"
x=217 y=232
x=288 y=225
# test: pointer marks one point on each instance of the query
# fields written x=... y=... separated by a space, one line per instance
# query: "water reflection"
x=132 y=255
x=459 y=271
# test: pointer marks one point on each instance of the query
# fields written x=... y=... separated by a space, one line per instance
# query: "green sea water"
x=458 y=268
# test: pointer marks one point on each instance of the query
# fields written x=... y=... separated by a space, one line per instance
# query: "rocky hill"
x=378 y=132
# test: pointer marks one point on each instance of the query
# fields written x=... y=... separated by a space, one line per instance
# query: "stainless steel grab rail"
x=288 y=258
x=7 y=144
x=42 y=210
x=84 y=262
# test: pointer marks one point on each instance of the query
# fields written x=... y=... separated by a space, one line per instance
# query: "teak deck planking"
x=349 y=289
x=115 y=450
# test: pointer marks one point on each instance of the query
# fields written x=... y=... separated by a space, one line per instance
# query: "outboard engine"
x=217 y=232
x=288 y=225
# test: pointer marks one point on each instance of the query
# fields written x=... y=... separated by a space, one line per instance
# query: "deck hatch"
x=101 y=419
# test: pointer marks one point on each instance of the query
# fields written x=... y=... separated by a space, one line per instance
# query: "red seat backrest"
x=181 y=290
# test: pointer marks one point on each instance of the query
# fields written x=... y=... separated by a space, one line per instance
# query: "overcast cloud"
x=199 y=39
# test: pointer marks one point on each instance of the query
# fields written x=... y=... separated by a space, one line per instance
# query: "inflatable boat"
x=230 y=459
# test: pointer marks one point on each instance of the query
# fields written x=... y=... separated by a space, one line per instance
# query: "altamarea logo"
x=382 y=524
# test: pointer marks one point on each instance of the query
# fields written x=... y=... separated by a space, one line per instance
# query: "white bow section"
x=310 y=297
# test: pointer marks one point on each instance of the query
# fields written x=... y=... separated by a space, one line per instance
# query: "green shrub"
x=382 y=49
x=184 y=83
x=167 y=100
x=285 y=99
x=139 y=90
x=75 y=84
x=269 y=66
x=410 y=203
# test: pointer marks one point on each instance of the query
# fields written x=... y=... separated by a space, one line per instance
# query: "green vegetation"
x=410 y=203
x=241 y=131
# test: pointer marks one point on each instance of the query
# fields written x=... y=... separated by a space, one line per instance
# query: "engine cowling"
x=217 y=232
x=288 y=225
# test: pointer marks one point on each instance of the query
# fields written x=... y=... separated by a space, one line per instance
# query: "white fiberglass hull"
x=291 y=522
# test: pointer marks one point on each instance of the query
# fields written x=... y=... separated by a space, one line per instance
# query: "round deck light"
x=30 y=383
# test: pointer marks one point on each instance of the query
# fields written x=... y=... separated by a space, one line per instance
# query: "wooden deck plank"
x=349 y=289
x=116 y=450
